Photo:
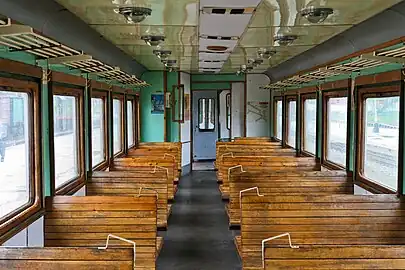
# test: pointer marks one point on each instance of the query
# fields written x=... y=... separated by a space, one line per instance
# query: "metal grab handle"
x=226 y=154
x=234 y=167
x=245 y=190
x=122 y=239
x=142 y=188
x=170 y=155
x=160 y=167
x=275 y=237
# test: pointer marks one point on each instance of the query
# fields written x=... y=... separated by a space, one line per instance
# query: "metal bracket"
x=245 y=190
x=122 y=239
x=142 y=188
x=275 y=237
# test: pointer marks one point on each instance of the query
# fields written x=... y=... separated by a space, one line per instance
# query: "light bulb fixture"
x=285 y=39
x=162 y=54
x=264 y=53
x=134 y=14
x=153 y=40
x=316 y=14
x=170 y=62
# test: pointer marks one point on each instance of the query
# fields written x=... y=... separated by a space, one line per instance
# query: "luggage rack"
x=22 y=38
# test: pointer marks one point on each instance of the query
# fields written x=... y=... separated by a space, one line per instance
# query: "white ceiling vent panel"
x=229 y=3
x=229 y=44
x=223 y=25
x=211 y=65
x=213 y=56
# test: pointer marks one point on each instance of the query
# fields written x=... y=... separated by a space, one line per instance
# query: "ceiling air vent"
x=228 y=11
x=285 y=39
x=316 y=14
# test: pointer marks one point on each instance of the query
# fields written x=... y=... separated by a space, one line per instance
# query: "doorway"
x=205 y=127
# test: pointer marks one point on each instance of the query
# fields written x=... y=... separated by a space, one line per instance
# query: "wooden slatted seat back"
x=223 y=147
x=320 y=220
x=70 y=258
x=127 y=183
x=335 y=257
x=288 y=183
x=266 y=139
x=73 y=221
x=262 y=164
x=148 y=164
x=165 y=146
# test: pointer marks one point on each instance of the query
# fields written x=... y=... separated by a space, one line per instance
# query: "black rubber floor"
x=198 y=236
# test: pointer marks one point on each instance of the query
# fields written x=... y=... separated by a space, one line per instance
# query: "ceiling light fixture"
x=134 y=14
x=316 y=14
x=153 y=40
x=161 y=53
x=264 y=53
x=285 y=39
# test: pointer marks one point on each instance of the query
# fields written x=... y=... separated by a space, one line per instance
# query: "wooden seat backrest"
x=335 y=257
x=320 y=219
x=69 y=258
x=73 y=221
x=148 y=164
x=127 y=183
x=288 y=183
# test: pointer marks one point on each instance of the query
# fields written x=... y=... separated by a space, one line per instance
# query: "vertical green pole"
x=284 y=121
x=298 y=125
x=125 y=123
x=271 y=115
x=87 y=126
x=351 y=126
x=319 y=124
x=46 y=156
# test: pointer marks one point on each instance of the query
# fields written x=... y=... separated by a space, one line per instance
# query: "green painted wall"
x=152 y=125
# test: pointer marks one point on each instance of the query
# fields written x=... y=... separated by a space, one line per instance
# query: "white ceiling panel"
x=223 y=25
x=214 y=56
x=230 y=44
x=229 y=3
x=211 y=65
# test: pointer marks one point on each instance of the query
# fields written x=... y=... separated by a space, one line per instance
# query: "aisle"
x=198 y=237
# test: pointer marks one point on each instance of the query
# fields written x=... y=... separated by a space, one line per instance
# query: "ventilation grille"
x=228 y=11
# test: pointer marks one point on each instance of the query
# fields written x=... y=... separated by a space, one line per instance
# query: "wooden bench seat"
x=263 y=164
x=137 y=183
x=335 y=257
x=320 y=220
x=288 y=183
x=72 y=258
x=148 y=164
x=73 y=221
x=174 y=148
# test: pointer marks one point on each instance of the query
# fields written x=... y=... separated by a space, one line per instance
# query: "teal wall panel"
x=152 y=125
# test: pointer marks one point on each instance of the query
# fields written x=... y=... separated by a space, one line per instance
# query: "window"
x=336 y=130
x=16 y=135
x=279 y=119
x=178 y=103
x=381 y=140
x=66 y=141
x=206 y=114
x=291 y=123
x=98 y=131
x=117 y=125
x=309 y=127
x=130 y=122
x=228 y=111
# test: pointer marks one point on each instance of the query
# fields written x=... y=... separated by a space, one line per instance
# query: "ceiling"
x=186 y=23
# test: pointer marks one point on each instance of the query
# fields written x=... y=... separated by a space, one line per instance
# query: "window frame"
x=326 y=96
x=178 y=105
x=305 y=97
x=138 y=121
x=275 y=100
x=228 y=110
x=288 y=99
x=120 y=97
x=363 y=94
x=19 y=217
x=71 y=186
x=103 y=164
x=132 y=99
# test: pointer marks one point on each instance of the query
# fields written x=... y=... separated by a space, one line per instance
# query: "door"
x=205 y=124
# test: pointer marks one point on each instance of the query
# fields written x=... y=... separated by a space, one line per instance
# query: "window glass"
x=206 y=114
x=130 y=121
x=279 y=119
x=292 y=115
x=15 y=167
x=117 y=125
x=97 y=129
x=310 y=125
x=336 y=130
x=66 y=140
x=381 y=138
